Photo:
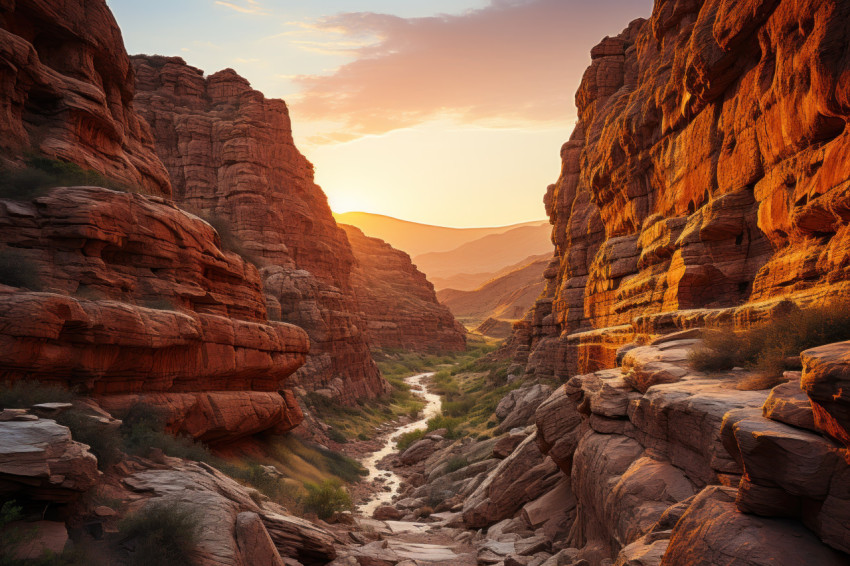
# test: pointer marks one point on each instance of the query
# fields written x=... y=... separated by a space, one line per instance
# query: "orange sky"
x=449 y=113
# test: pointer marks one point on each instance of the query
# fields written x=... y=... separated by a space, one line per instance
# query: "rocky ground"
x=649 y=463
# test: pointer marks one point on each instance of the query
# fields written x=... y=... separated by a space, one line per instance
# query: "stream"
x=432 y=408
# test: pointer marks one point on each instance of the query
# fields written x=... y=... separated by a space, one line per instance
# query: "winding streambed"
x=432 y=408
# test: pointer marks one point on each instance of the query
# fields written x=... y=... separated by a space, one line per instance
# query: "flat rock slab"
x=399 y=527
x=374 y=525
x=422 y=552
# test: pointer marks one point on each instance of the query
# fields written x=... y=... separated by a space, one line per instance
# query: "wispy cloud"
x=513 y=62
x=245 y=7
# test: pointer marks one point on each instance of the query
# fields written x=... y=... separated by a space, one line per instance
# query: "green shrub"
x=12 y=538
x=764 y=348
x=451 y=424
x=337 y=436
x=326 y=498
x=456 y=463
x=143 y=428
x=458 y=408
x=404 y=440
x=42 y=173
x=25 y=393
x=105 y=443
x=18 y=270
x=161 y=533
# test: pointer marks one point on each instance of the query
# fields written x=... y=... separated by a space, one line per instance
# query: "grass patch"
x=25 y=393
x=470 y=393
x=161 y=533
x=326 y=498
x=42 y=173
x=456 y=463
x=765 y=348
x=143 y=428
x=350 y=422
x=104 y=442
x=404 y=441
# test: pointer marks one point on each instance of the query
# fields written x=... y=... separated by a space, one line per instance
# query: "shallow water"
x=432 y=408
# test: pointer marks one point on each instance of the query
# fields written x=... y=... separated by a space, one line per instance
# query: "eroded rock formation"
x=139 y=298
x=230 y=155
x=708 y=170
x=398 y=302
x=66 y=91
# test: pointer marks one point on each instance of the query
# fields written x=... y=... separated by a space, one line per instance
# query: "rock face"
x=66 y=91
x=398 y=303
x=704 y=173
x=693 y=470
x=230 y=155
x=140 y=298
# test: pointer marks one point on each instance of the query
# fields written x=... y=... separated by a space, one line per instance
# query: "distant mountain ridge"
x=416 y=238
x=503 y=298
x=489 y=254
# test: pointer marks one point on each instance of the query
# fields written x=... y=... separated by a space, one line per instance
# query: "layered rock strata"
x=138 y=297
x=66 y=91
x=230 y=156
x=398 y=303
x=707 y=171
x=664 y=471
x=39 y=459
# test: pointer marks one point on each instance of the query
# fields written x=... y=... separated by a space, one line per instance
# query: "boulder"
x=506 y=444
x=518 y=479
x=226 y=511
x=387 y=513
x=419 y=451
x=517 y=408
x=789 y=404
x=254 y=541
x=712 y=531
x=826 y=380
x=558 y=428
x=40 y=459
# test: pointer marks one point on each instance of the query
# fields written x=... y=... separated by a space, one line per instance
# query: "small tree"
x=326 y=498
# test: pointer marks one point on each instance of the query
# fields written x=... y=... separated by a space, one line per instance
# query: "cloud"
x=511 y=63
x=246 y=6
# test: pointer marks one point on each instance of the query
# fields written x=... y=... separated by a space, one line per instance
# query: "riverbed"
x=392 y=480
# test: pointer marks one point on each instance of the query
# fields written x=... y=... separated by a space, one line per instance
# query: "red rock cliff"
x=126 y=297
x=399 y=304
x=706 y=178
x=66 y=91
x=230 y=154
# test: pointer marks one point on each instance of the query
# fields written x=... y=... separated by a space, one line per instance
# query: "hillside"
x=415 y=238
x=488 y=254
x=506 y=297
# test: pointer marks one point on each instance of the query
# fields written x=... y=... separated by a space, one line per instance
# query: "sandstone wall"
x=708 y=170
x=230 y=155
x=398 y=303
x=66 y=91
x=137 y=301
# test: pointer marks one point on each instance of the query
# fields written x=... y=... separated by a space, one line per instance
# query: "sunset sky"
x=447 y=112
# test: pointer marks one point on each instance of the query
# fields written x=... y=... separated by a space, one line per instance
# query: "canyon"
x=705 y=186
